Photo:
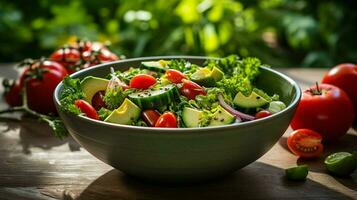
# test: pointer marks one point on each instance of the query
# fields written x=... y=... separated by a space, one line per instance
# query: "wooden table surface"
x=35 y=165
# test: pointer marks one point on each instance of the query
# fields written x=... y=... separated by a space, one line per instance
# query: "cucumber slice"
x=157 y=66
x=254 y=100
x=191 y=117
x=127 y=113
x=91 y=85
x=155 y=97
x=221 y=117
x=203 y=77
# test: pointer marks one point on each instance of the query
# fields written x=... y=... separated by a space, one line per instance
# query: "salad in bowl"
x=173 y=94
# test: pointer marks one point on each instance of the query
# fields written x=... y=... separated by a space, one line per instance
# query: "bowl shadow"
x=256 y=181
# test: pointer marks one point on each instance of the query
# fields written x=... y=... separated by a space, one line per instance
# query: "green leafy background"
x=283 y=33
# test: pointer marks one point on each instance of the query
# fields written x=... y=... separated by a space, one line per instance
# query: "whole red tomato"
x=41 y=79
x=325 y=109
x=344 y=76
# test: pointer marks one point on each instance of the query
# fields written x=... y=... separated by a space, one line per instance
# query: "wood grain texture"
x=35 y=165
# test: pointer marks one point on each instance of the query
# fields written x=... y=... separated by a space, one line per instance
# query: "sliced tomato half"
x=305 y=143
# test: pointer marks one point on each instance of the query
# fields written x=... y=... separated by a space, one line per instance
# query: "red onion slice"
x=239 y=115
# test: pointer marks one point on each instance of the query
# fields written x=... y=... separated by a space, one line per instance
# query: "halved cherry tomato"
x=305 y=143
x=150 y=117
x=191 y=89
x=262 y=114
x=87 y=109
x=142 y=81
x=98 y=100
x=66 y=56
x=167 y=120
x=174 y=76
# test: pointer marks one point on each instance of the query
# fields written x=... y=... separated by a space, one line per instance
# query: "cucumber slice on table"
x=155 y=97
x=157 y=66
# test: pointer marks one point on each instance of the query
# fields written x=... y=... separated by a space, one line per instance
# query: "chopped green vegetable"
x=228 y=64
x=115 y=96
x=298 y=173
x=183 y=66
x=70 y=93
x=104 y=113
x=341 y=163
x=234 y=84
x=249 y=67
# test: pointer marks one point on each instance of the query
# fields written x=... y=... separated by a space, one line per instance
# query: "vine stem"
x=25 y=108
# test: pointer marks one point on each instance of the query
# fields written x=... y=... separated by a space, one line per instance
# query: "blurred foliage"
x=280 y=32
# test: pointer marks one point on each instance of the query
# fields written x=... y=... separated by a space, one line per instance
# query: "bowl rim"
x=291 y=106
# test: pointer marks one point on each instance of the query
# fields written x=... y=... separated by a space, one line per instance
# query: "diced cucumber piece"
x=191 y=117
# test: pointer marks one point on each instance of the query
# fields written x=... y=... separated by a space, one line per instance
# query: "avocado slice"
x=217 y=74
x=207 y=77
x=221 y=117
x=91 y=85
x=127 y=113
x=191 y=117
x=254 y=100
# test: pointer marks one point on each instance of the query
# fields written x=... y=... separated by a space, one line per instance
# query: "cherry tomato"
x=41 y=79
x=99 y=56
x=191 y=89
x=167 y=120
x=344 y=76
x=325 y=109
x=87 y=109
x=305 y=143
x=262 y=114
x=13 y=95
x=150 y=117
x=106 y=56
x=67 y=56
x=174 y=76
x=98 y=100
x=142 y=81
